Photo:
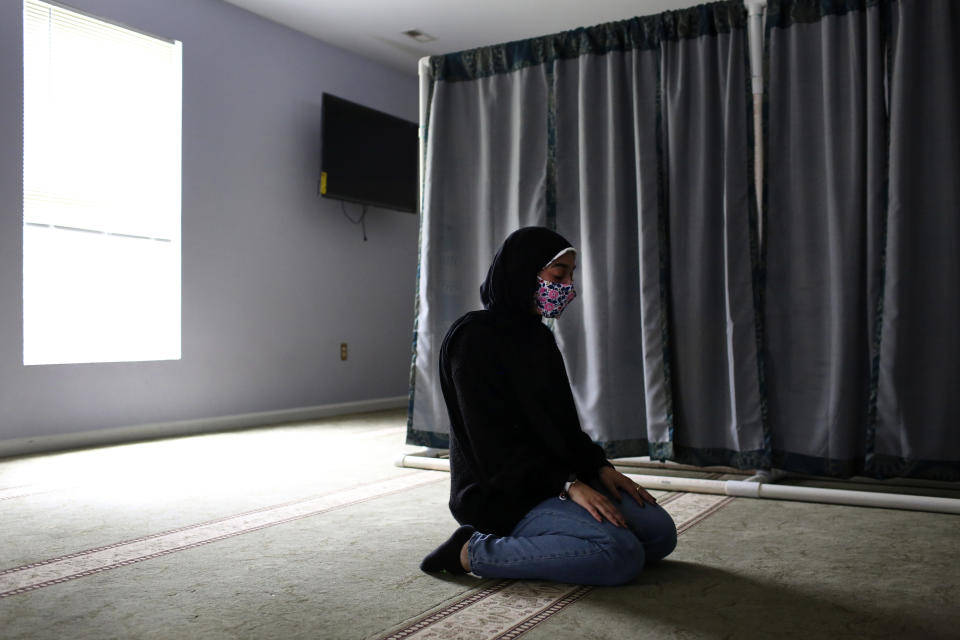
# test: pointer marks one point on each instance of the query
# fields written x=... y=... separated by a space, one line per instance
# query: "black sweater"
x=515 y=436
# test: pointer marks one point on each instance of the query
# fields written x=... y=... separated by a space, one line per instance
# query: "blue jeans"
x=559 y=540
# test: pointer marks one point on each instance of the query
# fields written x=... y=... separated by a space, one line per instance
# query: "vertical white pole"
x=755 y=10
x=423 y=71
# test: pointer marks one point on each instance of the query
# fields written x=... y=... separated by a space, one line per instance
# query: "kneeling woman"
x=536 y=498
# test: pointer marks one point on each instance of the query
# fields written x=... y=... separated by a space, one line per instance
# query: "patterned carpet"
x=308 y=531
x=510 y=608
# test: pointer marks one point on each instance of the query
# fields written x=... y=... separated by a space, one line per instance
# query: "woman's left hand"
x=614 y=480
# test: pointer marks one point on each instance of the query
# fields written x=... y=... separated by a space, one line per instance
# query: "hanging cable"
x=362 y=220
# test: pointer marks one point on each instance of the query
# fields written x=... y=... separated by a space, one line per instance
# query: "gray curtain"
x=825 y=206
x=486 y=159
x=915 y=428
x=861 y=280
x=711 y=208
x=633 y=140
x=654 y=164
x=607 y=191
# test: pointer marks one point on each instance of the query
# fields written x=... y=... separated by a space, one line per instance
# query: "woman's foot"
x=449 y=555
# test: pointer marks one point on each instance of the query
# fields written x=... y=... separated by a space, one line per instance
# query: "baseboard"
x=153 y=431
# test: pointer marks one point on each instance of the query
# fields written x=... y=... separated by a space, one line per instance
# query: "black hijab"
x=511 y=282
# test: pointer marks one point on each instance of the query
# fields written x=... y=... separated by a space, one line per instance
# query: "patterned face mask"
x=553 y=297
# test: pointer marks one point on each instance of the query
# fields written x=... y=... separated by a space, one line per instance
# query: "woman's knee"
x=623 y=558
x=648 y=520
x=661 y=535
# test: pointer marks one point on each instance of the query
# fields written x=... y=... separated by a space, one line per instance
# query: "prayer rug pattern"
x=45 y=573
x=508 y=609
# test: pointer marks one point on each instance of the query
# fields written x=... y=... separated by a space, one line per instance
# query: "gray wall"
x=274 y=278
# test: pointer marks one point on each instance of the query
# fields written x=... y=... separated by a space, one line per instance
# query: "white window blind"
x=101 y=183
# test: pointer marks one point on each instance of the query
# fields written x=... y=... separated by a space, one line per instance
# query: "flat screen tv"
x=367 y=156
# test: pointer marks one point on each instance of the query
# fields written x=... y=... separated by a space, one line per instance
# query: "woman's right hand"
x=599 y=505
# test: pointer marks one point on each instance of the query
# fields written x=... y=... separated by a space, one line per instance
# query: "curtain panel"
x=914 y=427
x=713 y=325
x=825 y=206
x=861 y=260
x=486 y=160
x=633 y=140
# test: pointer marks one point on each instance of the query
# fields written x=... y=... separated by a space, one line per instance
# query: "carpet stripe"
x=721 y=502
x=497 y=614
x=449 y=611
x=536 y=619
x=92 y=561
x=509 y=609
x=667 y=499
x=23 y=492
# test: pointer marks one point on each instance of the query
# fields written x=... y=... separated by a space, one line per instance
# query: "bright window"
x=101 y=190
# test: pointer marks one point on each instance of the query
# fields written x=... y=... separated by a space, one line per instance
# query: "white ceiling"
x=373 y=28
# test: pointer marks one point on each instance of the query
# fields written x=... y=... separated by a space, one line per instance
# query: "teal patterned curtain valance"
x=703 y=20
x=785 y=13
x=636 y=33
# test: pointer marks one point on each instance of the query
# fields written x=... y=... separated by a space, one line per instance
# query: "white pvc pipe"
x=745 y=489
x=755 y=40
x=755 y=9
x=424 y=459
x=417 y=462
x=646 y=462
x=423 y=73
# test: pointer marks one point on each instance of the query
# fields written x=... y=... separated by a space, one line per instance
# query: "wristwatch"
x=565 y=494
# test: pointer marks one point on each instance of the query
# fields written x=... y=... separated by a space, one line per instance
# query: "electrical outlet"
x=343 y=350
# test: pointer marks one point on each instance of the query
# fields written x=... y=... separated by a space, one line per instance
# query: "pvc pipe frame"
x=423 y=73
x=757 y=488
x=755 y=38
x=742 y=489
x=745 y=489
